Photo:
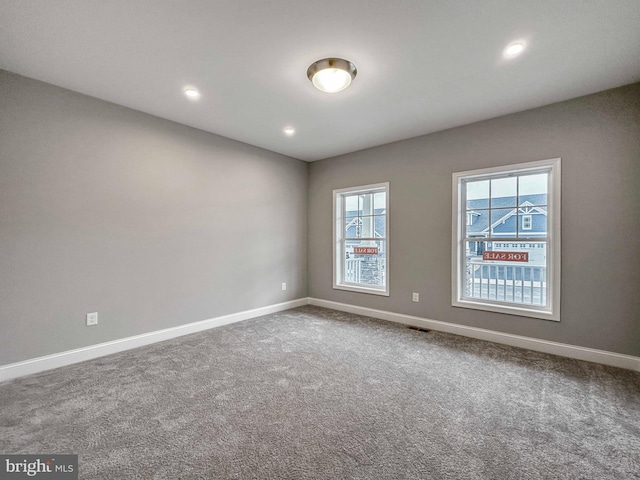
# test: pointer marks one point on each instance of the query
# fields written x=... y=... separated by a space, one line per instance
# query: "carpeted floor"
x=312 y=393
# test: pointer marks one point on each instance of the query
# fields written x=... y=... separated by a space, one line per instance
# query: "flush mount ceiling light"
x=191 y=93
x=289 y=131
x=331 y=75
x=513 y=50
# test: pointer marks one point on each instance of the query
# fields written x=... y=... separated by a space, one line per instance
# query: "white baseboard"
x=48 y=362
x=562 y=349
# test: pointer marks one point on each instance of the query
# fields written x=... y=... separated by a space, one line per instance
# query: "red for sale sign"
x=506 y=256
x=365 y=250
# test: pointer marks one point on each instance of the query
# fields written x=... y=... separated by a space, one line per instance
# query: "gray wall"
x=598 y=138
x=154 y=224
x=149 y=223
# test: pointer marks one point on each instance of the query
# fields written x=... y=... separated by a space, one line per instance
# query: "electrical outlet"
x=284 y=285
x=92 y=319
x=416 y=297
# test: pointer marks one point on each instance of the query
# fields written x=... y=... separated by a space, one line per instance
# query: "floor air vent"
x=419 y=329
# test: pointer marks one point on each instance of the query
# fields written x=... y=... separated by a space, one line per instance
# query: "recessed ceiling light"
x=513 y=50
x=191 y=93
x=289 y=131
x=331 y=75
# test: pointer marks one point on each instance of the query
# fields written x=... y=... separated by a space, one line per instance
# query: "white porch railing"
x=352 y=270
x=507 y=282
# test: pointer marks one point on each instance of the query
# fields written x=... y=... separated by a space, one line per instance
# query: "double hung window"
x=361 y=241
x=508 y=258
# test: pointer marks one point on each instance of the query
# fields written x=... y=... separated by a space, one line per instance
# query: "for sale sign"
x=365 y=250
x=506 y=256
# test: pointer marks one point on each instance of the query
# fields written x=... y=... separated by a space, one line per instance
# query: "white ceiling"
x=423 y=65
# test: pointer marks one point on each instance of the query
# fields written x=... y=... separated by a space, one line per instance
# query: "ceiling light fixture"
x=289 y=131
x=513 y=50
x=191 y=93
x=332 y=75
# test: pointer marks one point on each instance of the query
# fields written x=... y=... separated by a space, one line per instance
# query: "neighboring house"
x=367 y=269
x=530 y=217
x=354 y=224
x=527 y=220
x=503 y=218
x=523 y=217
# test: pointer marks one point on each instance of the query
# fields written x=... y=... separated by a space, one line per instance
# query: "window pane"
x=507 y=271
x=366 y=204
x=351 y=204
x=503 y=222
x=539 y=224
x=352 y=227
x=504 y=192
x=533 y=221
x=380 y=202
x=533 y=189
x=367 y=223
x=477 y=194
x=365 y=263
x=380 y=226
x=477 y=222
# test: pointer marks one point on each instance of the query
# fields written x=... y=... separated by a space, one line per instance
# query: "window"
x=508 y=259
x=361 y=239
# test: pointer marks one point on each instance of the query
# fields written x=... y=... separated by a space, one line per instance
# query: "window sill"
x=508 y=309
x=354 y=288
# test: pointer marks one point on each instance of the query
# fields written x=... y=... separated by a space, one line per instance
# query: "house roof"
x=504 y=216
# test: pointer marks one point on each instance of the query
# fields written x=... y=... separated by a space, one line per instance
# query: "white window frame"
x=458 y=264
x=529 y=223
x=339 y=240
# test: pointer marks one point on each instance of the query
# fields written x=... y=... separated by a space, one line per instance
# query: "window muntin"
x=508 y=258
x=361 y=239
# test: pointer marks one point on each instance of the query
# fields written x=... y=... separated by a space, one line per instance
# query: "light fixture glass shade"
x=331 y=75
x=513 y=50
x=191 y=92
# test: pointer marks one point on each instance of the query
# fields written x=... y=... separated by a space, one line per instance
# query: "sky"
x=379 y=201
x=508 y=186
